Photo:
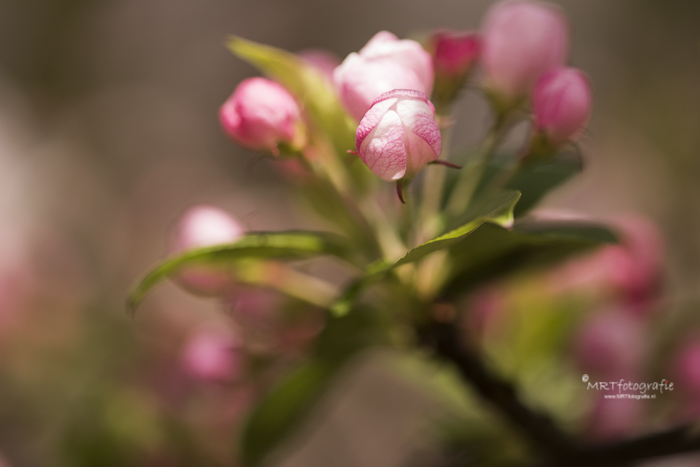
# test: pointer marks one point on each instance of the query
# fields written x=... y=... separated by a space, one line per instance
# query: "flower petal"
x=423 y=141
x=384 y=152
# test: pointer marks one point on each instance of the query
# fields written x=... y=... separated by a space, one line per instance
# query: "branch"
x=539 y=429
x=556 y=447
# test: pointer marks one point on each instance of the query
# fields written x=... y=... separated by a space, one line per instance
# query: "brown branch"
x=555 y=446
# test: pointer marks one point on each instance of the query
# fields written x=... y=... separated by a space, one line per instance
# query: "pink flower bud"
x=521 y=40
x=261 y=114
x=398 y=136
x=213 y=354
x=385 y=63
x=203 y=226
x=454 y=53
x=562 y=104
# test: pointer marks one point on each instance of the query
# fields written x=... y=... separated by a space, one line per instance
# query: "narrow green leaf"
x=306 y=83
x=281 y=410
x=493 y=251
x=271 y=245
x=287 y=405
x=536 y=180
x=497 y=210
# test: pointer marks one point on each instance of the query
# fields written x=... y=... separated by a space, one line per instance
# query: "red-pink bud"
x=454 y=53
x=203 y=226
x=398 y=136
x=383 y=64
x=261 y=114
x=521 y=40
x=213 y=354
x=562 y=104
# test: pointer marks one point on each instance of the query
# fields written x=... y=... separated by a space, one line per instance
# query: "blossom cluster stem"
x=471 y=177
x=432 y=195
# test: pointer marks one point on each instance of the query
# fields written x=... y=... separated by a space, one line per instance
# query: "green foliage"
x=272 y=245
x=535 y=180
x=497 y=210
x=493 y=251
x=286 y=406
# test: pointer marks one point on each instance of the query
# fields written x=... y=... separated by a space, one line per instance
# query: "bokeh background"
x=109 y=131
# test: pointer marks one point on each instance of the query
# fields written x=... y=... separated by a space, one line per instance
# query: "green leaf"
x=271 y=245
x=281 y=410
x=497 y=210
x=493 y=251
x=536 y=180
x=307 y=83
x=287 y=405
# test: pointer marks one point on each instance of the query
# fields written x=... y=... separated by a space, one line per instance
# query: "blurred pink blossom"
x=261 y=114
x=521 y=40
x=18 y=278
x=631 y=269
x=203 y=226
x=612 y=345
x=398 y=136
x=686 y=368
x=613 y=419
x=383 y=64
x=267 y=321
x=213 y=354
x=562 y=104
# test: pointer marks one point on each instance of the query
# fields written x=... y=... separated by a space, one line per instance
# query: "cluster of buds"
x=522 y=48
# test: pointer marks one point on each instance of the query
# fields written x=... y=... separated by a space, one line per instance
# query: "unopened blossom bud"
x=454 y=54
x=199 y=227
x=398 y=136
x=521 y=40
x=261 y=114
x=383 y=64
x=562 y=104
x=213 y=355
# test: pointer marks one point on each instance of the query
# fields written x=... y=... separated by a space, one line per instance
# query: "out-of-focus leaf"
x=497 y=210
x=307 y=83
x=536 y=180
x=493 y=251
x=286 y=406
x=272 y=245
x=281 y=410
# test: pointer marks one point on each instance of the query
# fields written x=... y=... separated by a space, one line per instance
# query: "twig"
x=556 y=447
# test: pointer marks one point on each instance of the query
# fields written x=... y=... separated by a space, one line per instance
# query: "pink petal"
x=370 y=121
x=423 y=141
x=377 y=40
x=384 y=152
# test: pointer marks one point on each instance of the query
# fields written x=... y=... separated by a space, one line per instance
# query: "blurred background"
x=109 y=131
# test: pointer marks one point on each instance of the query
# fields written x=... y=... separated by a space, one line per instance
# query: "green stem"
x=293 y=283
x=432 y=196
x=471 y=176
